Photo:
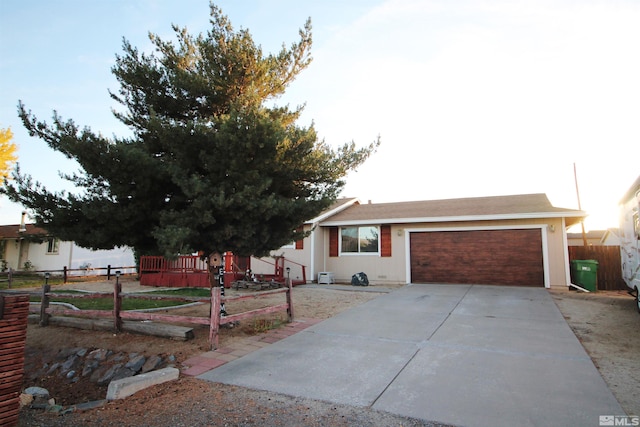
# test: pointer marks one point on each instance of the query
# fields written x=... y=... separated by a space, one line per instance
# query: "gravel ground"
x=606 y=323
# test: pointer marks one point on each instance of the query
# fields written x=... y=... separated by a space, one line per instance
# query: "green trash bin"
x=584 y=272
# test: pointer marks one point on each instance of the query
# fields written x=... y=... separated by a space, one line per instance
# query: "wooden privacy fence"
x=609 y=275
x=14 y=310
x=214 y=321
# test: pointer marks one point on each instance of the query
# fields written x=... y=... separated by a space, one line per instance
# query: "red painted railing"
x=191 y=271
x=188 y=271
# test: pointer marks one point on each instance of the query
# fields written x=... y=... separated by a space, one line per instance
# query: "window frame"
x=53 y=246
x=359 y=252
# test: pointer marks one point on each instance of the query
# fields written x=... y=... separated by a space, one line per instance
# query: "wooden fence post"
x=64 y=274
x=289 y=300
x=109 y=272
x=117 y=304
x=10 y=277
x=44 y=305
x=214 y=321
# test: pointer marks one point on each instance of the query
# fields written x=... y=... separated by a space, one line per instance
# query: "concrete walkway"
x=457 y=354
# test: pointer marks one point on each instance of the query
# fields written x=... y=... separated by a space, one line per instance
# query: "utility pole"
x=584 y=234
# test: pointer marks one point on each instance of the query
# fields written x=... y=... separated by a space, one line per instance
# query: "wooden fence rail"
x=609 y=274
x=214 y=321
x=9 y=275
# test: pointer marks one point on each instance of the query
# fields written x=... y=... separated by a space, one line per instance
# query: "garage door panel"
x=502 y=257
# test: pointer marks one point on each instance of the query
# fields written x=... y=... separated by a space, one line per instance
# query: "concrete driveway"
x=465 y=355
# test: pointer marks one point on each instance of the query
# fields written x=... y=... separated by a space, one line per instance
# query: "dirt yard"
x=606 y=323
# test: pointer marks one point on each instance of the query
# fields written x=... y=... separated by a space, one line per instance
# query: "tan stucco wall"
x=394 y=269
x=294 y=259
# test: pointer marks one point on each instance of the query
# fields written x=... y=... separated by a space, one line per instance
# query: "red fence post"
x=214 y=321
x=117 y=303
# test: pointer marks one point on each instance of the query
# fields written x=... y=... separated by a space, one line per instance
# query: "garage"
x=510 y=257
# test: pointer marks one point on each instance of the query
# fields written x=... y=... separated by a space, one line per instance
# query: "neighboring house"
x=608 y=237
x=26 y=245
x=504 y=240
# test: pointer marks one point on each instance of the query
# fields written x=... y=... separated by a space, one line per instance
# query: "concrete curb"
x=119 y=389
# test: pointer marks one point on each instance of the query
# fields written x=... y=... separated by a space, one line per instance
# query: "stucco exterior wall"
x=394 y=269
x=295 y=259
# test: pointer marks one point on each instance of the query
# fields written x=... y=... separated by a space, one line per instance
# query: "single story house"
x=27 y=247
x=502 y=240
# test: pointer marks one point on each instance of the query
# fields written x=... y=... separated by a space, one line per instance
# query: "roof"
x=13 y=231
x=466 y=209
x=336 y=207
x=602 y=236
x=591 y=234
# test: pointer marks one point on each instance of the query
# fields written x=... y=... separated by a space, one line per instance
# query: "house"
x=27 y=247
x=608 y=237
x=502 y=240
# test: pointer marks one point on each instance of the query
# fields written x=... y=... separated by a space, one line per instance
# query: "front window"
x=52 y=245
x=356 y=240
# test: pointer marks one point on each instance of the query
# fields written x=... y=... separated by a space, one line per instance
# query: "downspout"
x=70 y=254
x=567 y=273
x=312 y=264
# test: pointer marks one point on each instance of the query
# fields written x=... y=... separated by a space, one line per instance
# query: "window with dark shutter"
x=385 y=240
x=333 y=241
x=300 y=243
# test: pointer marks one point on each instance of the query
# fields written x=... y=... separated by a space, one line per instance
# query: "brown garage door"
x=493 y=257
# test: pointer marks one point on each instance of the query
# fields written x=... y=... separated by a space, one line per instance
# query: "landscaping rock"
x=108 y=375
x=135 y=363
x=25 y=399
x=89 y=367
x=119 y=357
x=53 y=368
x=69 y=363
x=121 y=373
x=100 y=354
x=78 y=368
x=37 y=392
x=151 y=364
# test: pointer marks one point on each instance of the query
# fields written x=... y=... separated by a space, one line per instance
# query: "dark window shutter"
x=333 y=241
x=385 y=240
x=299 y=243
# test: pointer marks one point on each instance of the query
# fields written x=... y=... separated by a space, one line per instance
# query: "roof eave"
x=462 y=218
x=332 y=212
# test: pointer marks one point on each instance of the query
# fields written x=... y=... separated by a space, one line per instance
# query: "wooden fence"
x=213 y=321
x=609 y=275
x=9 y=275
x=14 y=309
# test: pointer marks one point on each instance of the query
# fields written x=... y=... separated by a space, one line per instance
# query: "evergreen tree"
x=213 y=165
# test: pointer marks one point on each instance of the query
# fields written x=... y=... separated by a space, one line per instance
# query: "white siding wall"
x=69 y=255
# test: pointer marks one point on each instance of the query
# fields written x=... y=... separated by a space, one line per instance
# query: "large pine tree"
x=212 y=164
